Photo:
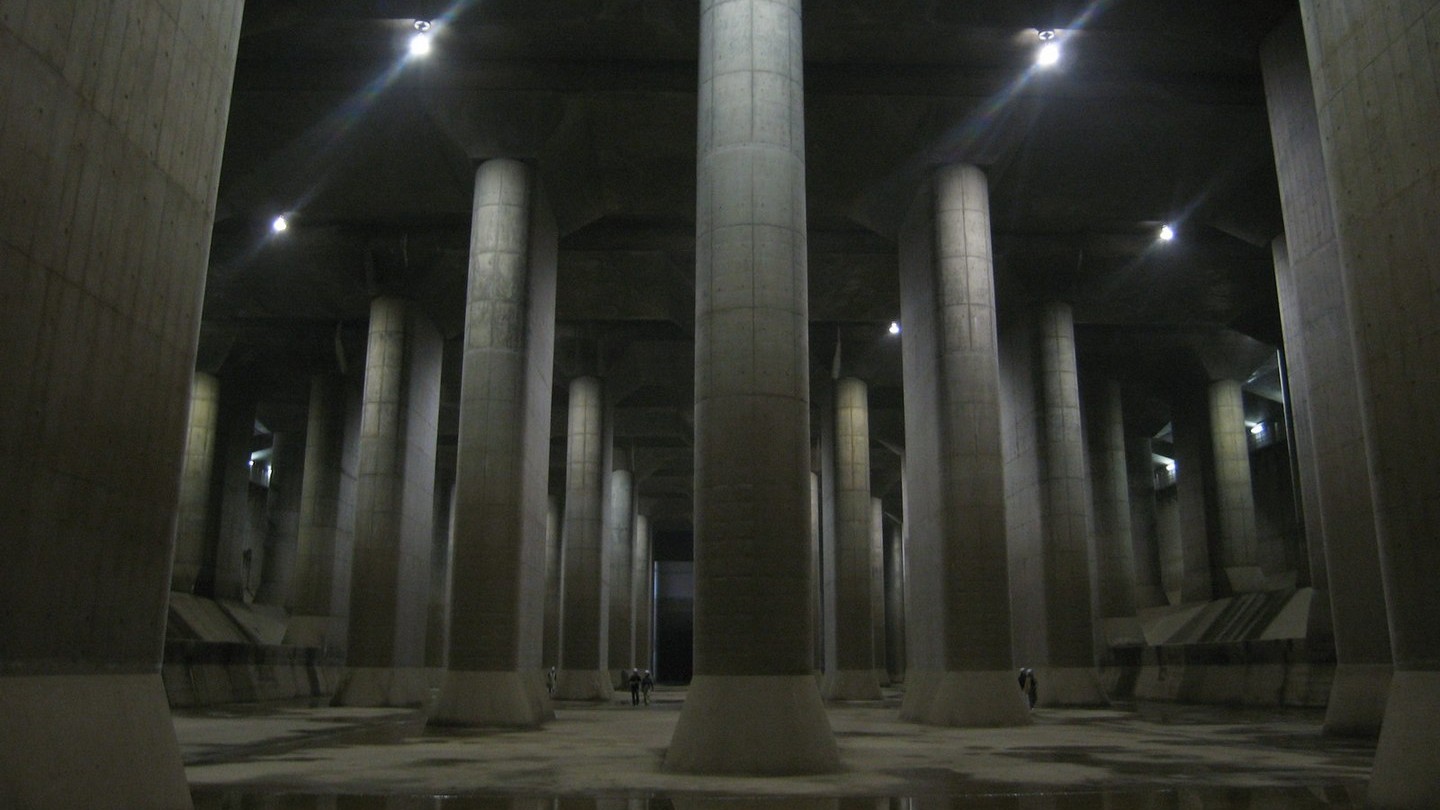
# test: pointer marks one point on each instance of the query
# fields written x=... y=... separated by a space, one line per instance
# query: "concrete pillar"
x=877 y=590
x=199 y=463
x=641 y=590
x=554 y=520
x=106 y=210
x=895 y=601
x=1374 y=75
x=958 y=604
x=437 y=614
x=282 y=518
x=850 y=633
x=1191 y=429
x=1325 y=402
x=1234 y=497
x=1070 y=676
x=584 y=650
x=1110 y=496
x=619 y=540
x=753 y=705
x=497 y=603
x=394 y=510
x=319 y=596
x=1144 y=523
x=817 y=572
x=231 y=569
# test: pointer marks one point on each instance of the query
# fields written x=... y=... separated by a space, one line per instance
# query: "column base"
x=584 y=684
x=850 y=684
x=1072 y=687
x=989 y=699
x=1357 y=700
x=756 y=725
x=492 y=700
x=1407 y=761
x=374 y=687
x=89 y=741
x=882 y=677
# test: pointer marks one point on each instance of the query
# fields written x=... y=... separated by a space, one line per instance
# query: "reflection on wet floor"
x=1331 y=797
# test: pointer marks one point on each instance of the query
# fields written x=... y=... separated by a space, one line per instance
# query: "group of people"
x=642 y=683
x=640 y=687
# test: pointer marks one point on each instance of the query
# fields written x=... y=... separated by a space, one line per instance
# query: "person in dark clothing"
x=634 y=687
x=647 y=684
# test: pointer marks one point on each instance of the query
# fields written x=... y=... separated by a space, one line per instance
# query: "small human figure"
x=1027 y=685
x=634 y=687
x=647 y=684
x=550 y=680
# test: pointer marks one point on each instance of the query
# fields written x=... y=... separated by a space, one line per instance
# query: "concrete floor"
x=1153 y=756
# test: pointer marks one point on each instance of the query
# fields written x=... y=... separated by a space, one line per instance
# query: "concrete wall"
x=113 y=119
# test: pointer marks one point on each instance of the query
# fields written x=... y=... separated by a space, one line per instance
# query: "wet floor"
x=608 y=757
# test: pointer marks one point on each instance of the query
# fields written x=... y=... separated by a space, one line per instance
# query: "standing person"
x=550 y=680
x=634 y=687
x=647 y=684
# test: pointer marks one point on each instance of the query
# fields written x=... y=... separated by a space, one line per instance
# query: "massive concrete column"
x=877 y=590
x=320 y=596
x=753 y=705
x=620 y=539
x=895 y=601
x=1374 y=74
x=584 y=649
x=1110 y=493
x=497 y=603
x=1069 y=676
x=282 y=518
x=394 y=508
x=1191 y=429
x=230 y=570
x=106 y=209
x=817 y=572
x=1144 y=528
x=958 y=603
x=1320 y=358
x=849 y=622
x=641 y=590
x=1234 y=498
x=554 y=520
x=195 y=474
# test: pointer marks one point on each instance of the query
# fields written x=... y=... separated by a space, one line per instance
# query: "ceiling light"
x=420 y=44
x=422 y=25
x=894 y=327
x=279 y=224
x=1048 y=54
x=1045 y=34
x=1166 y=233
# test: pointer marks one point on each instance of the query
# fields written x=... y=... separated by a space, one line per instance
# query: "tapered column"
x=753 y=705
x=584 y=649
x=1374 y=73
x=554 y=521
x=497 y=602
x=394 y=510
x=1070 y=676
x=850 y=640
x=231 y=569
x=114 y=122
x=325 y=539
x=642 y=590
x=1234 y=497
x=282 y=518
x=620 y=539
x=817 y=573
x=195 y=482
x=958 y=601
x=1110 y=495
x=1329 y=438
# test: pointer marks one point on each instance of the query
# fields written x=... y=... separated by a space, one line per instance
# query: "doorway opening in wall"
x=674 y=606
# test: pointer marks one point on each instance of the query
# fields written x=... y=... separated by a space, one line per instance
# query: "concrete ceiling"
x=1155 y=114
